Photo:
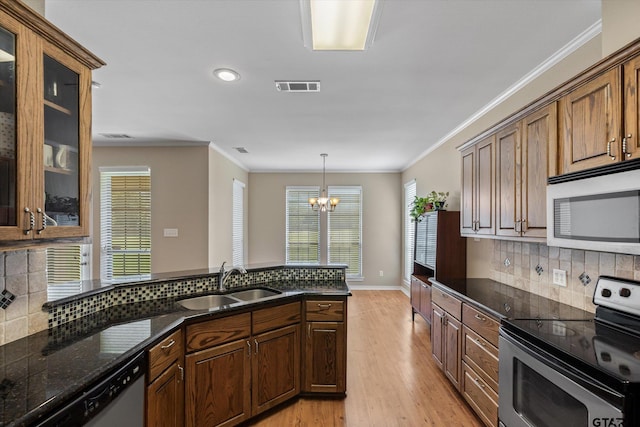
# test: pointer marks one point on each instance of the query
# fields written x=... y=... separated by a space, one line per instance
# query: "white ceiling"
x=433 y=64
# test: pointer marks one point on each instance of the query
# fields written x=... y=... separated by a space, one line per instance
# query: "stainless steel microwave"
x=600 y=213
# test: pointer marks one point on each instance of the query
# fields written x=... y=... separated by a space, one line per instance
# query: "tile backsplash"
x=23 y=274
x=529 y=266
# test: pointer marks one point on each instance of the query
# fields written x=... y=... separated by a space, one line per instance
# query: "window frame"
x=303 y=193
x=343 y=192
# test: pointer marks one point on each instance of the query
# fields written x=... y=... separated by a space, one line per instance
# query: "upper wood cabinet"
x=631 y=131
x=478 y=188
x=590 y=119
x=522 y=167
x=45 y=128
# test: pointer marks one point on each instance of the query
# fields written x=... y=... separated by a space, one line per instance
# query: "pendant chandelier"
x=323 y=203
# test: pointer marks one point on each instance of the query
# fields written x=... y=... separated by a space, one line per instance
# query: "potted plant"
x=419 y=206
x=438 y=199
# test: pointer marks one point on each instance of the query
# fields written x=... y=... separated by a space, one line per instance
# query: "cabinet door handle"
x=624 y=146
x=32 y=221
x=609 y=148
x=44 y=221
x=256 y=343
x=516 y=226
x=309 y=330
x=523 y=226
x=181 y=372
x=168 y=346
x=481 y=318
x=324 y=306
x=249 y=348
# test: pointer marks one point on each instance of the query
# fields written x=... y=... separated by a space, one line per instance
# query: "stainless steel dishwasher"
x=116 y=400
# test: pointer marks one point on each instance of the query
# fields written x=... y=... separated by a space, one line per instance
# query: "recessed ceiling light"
x=226 y=74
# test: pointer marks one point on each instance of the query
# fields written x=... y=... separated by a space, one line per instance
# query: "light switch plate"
x=170 y=232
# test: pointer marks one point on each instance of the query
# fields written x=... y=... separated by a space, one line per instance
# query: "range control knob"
x=625 y=292
x=605 y=293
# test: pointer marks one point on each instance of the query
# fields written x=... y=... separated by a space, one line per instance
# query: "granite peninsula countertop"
x=45 y=370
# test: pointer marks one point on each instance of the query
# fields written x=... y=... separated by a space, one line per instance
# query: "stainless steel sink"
x=207 y=302
x=253 y=294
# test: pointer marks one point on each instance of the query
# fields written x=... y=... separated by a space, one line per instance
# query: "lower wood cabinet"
x=420 y=299
x=325 y=363
x=446 y=335
x=251 y=363
x=464 y=345
x=165 y=390
x=218 y=385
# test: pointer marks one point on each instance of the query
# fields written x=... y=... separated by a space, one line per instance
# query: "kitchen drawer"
x=480 y=396
x=481 y=323
x=481 y=355
x=218 y=331
x=163 y=354
x=325 y=310
x=449 y=303
x=270 y=318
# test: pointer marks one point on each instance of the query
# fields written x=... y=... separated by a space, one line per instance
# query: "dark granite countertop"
x=506 y=302
x=45 y=370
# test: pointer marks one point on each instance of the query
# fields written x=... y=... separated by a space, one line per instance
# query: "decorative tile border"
x=94 y=303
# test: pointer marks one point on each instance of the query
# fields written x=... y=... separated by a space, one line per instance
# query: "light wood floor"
x=391 y=378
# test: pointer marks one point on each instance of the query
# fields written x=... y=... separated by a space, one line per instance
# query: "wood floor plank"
x=391 y=378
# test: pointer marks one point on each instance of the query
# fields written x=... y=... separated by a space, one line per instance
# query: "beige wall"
x=381 y=219
x=619 y=24
x=222 y=172
x=191 y=190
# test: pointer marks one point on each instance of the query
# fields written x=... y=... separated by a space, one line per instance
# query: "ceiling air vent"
x=116 y=135
x=241 y=150
x=298 y=86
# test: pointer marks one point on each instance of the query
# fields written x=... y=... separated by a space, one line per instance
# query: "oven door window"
x=542 y=403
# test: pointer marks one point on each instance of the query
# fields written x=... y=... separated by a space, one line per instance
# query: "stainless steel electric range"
x=574 y=372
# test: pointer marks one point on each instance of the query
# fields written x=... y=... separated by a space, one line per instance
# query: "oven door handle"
x=553 y=362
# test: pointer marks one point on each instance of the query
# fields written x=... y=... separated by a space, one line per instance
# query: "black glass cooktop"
x=607 y=353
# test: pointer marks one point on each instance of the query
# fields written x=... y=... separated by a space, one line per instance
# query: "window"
x=125 y=225
x=67 y=267
x=409 y=229
x=302 y=226
x=344 y=230
x=238 y=223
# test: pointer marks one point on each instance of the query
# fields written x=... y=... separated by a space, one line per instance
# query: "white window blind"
x=238 y=223
x=409 y=229
x=302 y=226
x=344 y=227
x=67 y=266
x=125 y=223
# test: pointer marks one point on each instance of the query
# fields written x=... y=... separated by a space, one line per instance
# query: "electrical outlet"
x=381 y=273
x=559 y=277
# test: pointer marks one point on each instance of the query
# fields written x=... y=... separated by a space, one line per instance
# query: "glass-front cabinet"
x=45 y=128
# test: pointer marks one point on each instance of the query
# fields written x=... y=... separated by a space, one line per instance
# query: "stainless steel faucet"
x=224 y=274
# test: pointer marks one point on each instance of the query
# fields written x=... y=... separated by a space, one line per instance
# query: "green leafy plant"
x=438 y=199
x=419 y=206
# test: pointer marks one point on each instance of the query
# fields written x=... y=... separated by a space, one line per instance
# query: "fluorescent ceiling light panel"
x=339 y=24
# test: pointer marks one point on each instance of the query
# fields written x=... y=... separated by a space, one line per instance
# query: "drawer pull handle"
x=480 y=384
x=480 y=318
x=324 y=306
x=480 y=342
x=168 y=346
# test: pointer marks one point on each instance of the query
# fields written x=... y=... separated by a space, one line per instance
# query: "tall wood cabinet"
x=522 y=164
x=439 y=252
x=45 y=128
x=478 y=188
